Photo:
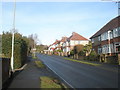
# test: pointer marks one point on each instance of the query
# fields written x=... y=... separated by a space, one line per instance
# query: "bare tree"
x=33 y=42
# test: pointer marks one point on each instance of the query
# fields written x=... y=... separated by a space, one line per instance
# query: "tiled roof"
x=114 y=23
x=76 y=36
x=63 y=39
x=56 y=42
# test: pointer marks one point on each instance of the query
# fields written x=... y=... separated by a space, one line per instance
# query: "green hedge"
x=20 y=48
x=93 y=56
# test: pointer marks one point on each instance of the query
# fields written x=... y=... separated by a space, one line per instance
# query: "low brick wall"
x=119 y=58
x=112 y=59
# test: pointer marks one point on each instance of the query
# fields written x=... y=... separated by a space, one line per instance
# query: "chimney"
x=73 y=33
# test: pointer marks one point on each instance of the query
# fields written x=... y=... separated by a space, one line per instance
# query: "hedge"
x=20 y=48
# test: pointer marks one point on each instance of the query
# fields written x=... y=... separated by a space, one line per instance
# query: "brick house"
x=107 y=39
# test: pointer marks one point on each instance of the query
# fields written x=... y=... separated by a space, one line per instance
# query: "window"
x=117 y=47
x=105 y=49
x=115 y=32
x=99 y=38
x=111 y=34
x=104 y=36
x=79 y=42
x=76 y=42
x=119 y=31
x=92 y=40
x=110 y=48
x=99 y=50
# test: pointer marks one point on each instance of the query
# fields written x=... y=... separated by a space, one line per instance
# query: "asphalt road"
x=79 y=75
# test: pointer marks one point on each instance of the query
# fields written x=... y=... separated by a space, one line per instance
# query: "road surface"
x=79 y=75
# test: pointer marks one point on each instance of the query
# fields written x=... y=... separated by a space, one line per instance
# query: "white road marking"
x=60 y=77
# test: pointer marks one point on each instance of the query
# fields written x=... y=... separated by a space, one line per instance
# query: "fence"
x=0 y=73
x=5 y=69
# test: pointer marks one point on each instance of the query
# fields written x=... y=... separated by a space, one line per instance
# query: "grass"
x=93 y=64
x=39 y=64
x=48 y=82
x=34 y=57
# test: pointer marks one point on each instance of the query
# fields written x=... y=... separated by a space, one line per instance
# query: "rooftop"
x=114 y=23
x=76 y=36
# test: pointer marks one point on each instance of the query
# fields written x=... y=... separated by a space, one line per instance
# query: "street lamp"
x=13 y=31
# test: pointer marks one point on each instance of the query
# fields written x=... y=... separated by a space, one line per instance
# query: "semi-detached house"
x=66 y=44
x=107 y=39
x=74 y=39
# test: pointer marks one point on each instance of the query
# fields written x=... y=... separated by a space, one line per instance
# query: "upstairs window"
x=110 y=34
x=119 y=31
x=92 y=40
x=104 y=36
x=99 y=38
x=115 y=32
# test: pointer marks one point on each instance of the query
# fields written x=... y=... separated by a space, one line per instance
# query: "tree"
x=31 y=41
x=93 y=56
x=41 y=47
x=77 y=50
x=87 y=48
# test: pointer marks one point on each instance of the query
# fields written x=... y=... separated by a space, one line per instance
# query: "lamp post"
x=13 y=31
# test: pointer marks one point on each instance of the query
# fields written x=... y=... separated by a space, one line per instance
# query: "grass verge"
x=93 y=64
x=49 y=82
x=39 y=64
x=34 y=57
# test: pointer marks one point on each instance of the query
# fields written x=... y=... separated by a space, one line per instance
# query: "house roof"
x=56 y=42
x=114 y=23
x=76 y=36
x=63 y=39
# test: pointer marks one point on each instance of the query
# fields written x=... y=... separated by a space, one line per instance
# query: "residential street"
x=30 y=76
x=79 y=75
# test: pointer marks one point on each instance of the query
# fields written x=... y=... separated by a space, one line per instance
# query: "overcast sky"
x=52 y=20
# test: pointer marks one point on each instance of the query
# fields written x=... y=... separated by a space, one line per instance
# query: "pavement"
x=79 y=75
x=28 y=78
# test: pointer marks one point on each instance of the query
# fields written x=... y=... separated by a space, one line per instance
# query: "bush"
x=71 y=52
x=93 y=56
x=81 y=53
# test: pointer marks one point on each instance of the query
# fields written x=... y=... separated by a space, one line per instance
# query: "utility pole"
x=13 y=31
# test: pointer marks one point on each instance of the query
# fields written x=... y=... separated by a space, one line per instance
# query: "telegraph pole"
x=13 y=31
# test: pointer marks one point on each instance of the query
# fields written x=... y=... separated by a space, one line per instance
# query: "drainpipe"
x=109 y=42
